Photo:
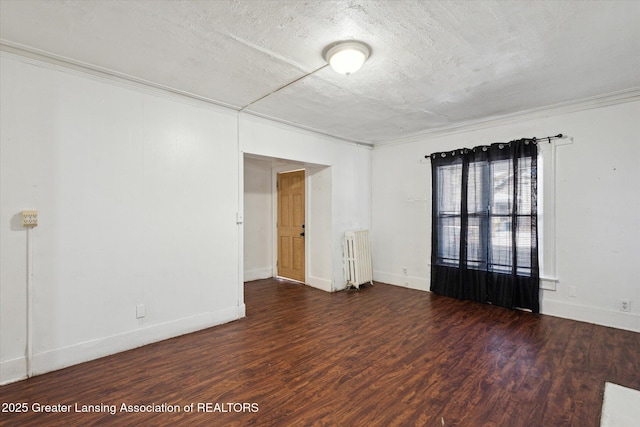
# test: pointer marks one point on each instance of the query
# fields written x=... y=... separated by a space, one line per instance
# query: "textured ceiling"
x=434 y=64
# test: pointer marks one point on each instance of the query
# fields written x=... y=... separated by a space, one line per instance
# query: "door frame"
x=274 y=192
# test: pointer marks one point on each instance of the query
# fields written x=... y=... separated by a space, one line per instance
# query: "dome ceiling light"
x=347 y=57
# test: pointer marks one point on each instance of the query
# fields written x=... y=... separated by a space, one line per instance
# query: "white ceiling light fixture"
x=347 y=57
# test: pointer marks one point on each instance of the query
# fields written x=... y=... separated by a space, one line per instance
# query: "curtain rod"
x=534 y=140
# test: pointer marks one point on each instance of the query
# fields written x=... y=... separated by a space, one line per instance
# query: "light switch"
x=140 y=311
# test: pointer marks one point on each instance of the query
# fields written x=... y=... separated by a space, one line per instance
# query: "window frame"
x=486 y=214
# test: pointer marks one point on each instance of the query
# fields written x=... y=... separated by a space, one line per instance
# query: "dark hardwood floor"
x=381 y=356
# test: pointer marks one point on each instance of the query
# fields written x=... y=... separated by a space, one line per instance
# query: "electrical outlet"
x=404 y=271
x=625 y=305
x=30 y=218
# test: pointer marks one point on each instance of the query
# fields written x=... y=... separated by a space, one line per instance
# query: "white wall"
x=596 y=209
x=319 y=231
x=344 y=168
x=137 y=193
x=258 y=219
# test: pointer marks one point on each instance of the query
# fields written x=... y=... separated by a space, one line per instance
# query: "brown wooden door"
x=291 y=225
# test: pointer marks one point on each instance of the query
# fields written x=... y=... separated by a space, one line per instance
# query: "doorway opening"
x=260 y=237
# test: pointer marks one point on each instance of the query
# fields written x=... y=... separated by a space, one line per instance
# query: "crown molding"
x=599 y=101
x=62 y=62
x=308 y=129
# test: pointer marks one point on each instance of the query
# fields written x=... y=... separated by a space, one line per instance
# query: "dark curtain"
x=484 y=236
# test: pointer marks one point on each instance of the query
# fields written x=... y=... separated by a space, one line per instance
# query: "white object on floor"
x=620 y=406
x=357 y=258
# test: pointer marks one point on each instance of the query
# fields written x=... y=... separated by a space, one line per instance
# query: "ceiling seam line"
x=282 y=87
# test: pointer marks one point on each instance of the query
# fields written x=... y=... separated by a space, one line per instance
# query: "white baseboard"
x=242 y=312
x=319 y=283
x=410 y=282
x=15 y=369
x=258 y=273
x=595 y=315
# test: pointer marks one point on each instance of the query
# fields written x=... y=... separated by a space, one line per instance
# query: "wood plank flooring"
x=381 y=356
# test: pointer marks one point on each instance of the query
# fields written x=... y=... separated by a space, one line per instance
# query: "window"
x=484 y=217
x=449 y=214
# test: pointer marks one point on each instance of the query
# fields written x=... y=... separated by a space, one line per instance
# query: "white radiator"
x=357 y=258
